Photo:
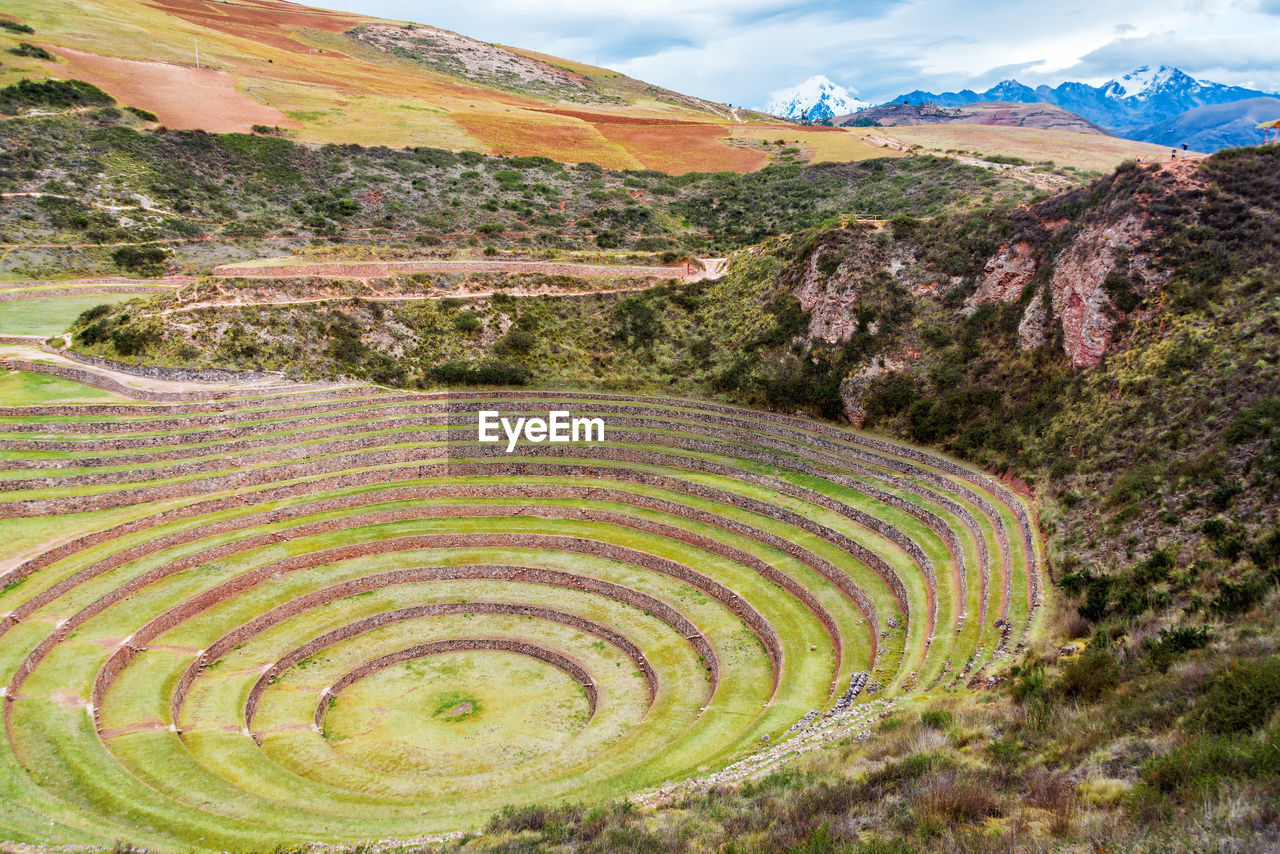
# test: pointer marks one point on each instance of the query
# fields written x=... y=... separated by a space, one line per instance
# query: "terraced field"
x=332 y=614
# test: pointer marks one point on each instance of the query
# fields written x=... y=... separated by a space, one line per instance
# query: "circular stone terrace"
x=331 y=614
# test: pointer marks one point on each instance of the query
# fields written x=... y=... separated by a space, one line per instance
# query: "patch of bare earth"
x=182 y=98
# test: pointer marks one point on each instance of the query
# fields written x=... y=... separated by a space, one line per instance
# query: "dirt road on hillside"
x=688 y=272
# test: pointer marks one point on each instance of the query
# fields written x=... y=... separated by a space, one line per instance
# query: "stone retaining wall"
x=575 y=670
x=160 y=372
x=832 y=573
x=385 y=618
x=528 y=575
x=201 y=602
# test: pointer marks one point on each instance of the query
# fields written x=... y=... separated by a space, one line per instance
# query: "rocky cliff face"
x=1080 y=265
x=848 y=280
x=1097 y=255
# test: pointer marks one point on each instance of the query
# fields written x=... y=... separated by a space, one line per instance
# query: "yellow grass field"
x=1090 y=152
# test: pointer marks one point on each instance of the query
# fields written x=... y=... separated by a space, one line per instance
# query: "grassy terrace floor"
x=333 y=617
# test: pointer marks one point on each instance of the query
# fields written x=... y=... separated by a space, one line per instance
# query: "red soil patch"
x=522 y=133
x=616 y=119
x=182 y=98
x=263 y=21
x=683 y=147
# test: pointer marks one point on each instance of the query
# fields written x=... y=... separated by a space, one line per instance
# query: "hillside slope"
x=1002 y=113
x=1111 y=348
x=1215 y=126
x=327 y=76
x=331 y=77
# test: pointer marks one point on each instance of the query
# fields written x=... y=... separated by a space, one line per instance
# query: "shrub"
x=939 y=719
x=15 y=27
x=1175 y=641
x=635 y=323
x=1121 y=291
x=829 y=262
x=1254 y=422
x=142 y=260
x=51 y=93
x=951 y=798
x=466 y=321
x=1091 y=676
x=518 y=341
x=491 y=372
x=33 y=51
x=91 y=314
x=145 y=115
x=1236 y=597
x=889 y=394
x=132 y=340
x=1241 y=698
x=1202 y=763
x=1030 y=685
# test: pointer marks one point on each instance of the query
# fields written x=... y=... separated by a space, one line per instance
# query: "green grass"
x=52 y=315
x=439 y=743
x=23 y=388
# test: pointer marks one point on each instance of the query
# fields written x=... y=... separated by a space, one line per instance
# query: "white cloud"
x=739 y=51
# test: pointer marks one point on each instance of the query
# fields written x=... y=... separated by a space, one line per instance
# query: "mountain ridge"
x=816 y=99
x=1131 y=106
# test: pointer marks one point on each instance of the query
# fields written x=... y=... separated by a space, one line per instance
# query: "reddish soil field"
x=181 y=97
x=266 y=21
x=522 y=133
x=683 y=147
x=615 y=119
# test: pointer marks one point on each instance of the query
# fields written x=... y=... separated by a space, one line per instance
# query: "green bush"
x=1091 y=676
x=1201 y=764
x=132 y=340
x=517 y=341
x=51 y=93
x=1242 y=698
x=15 y=27
x=142 y=260
x=91 y=314
x=491 y=372
x=635 y=323
x=32 y=51
x=939 y=719
x=1254 y=422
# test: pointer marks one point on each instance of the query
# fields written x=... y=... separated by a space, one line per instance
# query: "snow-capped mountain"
x=1129 y=106
x=814 y=100
x=1139 y=82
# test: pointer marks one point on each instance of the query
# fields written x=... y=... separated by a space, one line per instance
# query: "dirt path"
x=27 y=348
x=385 y=269
x=469 y=295
x=92 y=285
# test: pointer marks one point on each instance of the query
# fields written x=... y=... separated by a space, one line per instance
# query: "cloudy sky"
x=740 y=51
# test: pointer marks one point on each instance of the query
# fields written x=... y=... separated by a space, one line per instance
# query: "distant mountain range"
x=1004 y=113
x=815 y=100
x=1142 y=105
x=1161 y=105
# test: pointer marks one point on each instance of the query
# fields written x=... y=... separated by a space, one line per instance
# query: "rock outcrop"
x=1005 y=276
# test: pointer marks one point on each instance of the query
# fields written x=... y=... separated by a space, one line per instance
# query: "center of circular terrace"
x=456 y=714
